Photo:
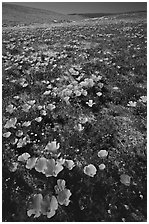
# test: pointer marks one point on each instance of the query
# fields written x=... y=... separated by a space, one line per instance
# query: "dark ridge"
x=93 y=15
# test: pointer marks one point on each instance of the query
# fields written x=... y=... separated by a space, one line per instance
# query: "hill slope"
x=98 y=15
x=16 y=14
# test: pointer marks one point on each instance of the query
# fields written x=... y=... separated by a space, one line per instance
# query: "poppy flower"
x=51 y=106
x=99 y=94
x=11 y=123
x=36 y=206
x=43 y=112
x=21 y=143
x=102 y=166
x=100 y=85
x=47 y=92
x=66 y=99
x=23 y=82
x=58 y=169
x=143 y=99
x=31 y=163
x=26 y=107
x=102 y=153
x=58 y=166
x=19 y=133
x=125 y=179
x=115 y=88
x=39 y=107
x=83 y=120
x=90 y=170
x=63 y=193
x=90 y=83
x=13 y=166
x=24 y=157
x=31 y=102
x=52 y=146
x=77 y=93
x=7 y=134
x=60 y=185
x=26 y=123
x=90 y=103
x=49 y=205
x=38 y=119
x=41 y=165
x=79 y=127
x=53 y=207
x=69 y=164
x=49 y=167
x=132 y=104
x=10 y=108
x=63 y=197
x=45 y=206
x=84 y=92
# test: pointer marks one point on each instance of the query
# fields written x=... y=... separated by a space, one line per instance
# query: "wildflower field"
x=74 y=121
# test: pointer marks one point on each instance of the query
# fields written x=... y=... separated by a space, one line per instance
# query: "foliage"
x=74 y=121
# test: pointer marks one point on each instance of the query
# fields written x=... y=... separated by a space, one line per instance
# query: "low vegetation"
x=74 y=121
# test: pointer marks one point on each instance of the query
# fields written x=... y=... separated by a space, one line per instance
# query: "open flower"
x=23 y=141
x=11 y=123
x=143 y=99
x=26 y=123
x=50 y=167
x=47 y=92
x=26 y=107
x=24 y=157
x=53 y=207
x=99 y=94
x=23 y=82
x=41 y=165
x=45 y=206
x=51 y=106
x=132 y=104
x=69 y=164
x=102 y=166
x=38 y=119
x=63 y=197
x=90 y=103
x=36 y=206
x=31 y=163
x=58 y=167
x=31 y=102
x=19 y=133
x=63 y=193
x=125 y=179
x=77 y=93
x=90 y=170
x=52 y=146
x=84 y=92
x=102 y=153
x=10 y=108
x=7 y=134
x=79 y=127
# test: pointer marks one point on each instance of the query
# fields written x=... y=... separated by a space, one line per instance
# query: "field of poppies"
x=74 y=121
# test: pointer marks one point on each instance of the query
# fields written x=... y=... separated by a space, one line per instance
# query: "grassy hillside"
x=15 y=14
x=75 y=121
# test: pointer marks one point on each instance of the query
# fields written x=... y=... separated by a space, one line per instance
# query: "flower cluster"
x=75 y=87
x=45 y=206
x=49 y=167
x=63 y=194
